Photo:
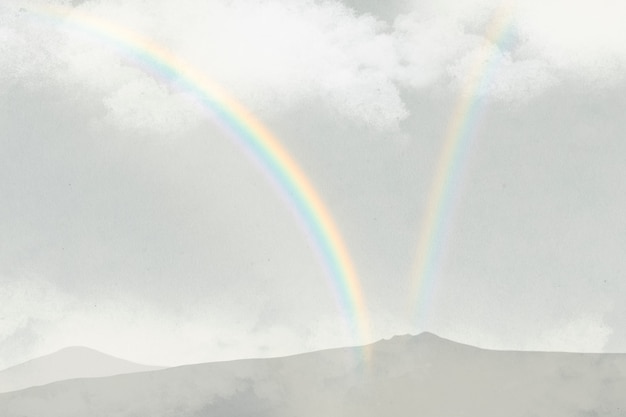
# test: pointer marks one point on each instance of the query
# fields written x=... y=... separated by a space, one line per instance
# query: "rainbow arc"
x=253 y=137
x=456 y=146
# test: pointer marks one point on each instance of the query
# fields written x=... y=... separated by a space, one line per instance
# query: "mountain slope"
x=68 y=363
x=405 y=376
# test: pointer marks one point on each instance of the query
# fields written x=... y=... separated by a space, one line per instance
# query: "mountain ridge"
x=403 y=376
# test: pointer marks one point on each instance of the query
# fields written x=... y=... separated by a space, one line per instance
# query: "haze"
x=131 y=222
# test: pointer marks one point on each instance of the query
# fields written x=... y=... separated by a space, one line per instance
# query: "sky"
x=132 y=222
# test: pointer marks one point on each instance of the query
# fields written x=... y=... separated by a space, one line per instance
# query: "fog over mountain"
x=68 y=363
x=406 y=376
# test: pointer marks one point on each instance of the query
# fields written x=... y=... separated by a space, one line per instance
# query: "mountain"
x=420 y=375
x=68 y=363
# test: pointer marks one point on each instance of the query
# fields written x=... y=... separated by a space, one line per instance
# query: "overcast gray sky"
x=132 y=224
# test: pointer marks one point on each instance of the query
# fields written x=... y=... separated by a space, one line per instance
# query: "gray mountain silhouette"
x=69 y=363
x=422 y=375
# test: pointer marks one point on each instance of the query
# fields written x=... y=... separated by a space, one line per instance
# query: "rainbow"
x=255 y=139
x=457 y=141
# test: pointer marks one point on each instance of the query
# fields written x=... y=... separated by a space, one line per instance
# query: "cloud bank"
x=274 y=55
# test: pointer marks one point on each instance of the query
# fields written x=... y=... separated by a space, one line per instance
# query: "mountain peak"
x=77 y=348
x=67 y=363
x=421 y=337
x=429 y=336
x=81 y=353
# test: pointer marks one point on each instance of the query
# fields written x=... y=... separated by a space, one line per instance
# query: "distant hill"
x=68 y=363
x=406 y=376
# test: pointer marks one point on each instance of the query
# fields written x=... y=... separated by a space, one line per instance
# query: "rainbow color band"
x=254 y=138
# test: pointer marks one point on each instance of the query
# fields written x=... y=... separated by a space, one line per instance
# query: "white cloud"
x=453 y=51
x=426 y=46
x=577 y=39
x=26 y=308
x=146 y=105
x=24 y=52
x=274 y=54
x=551 y=40
x=270 y=54
x=55 y=319
x=23 y=305
x=488 y=71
